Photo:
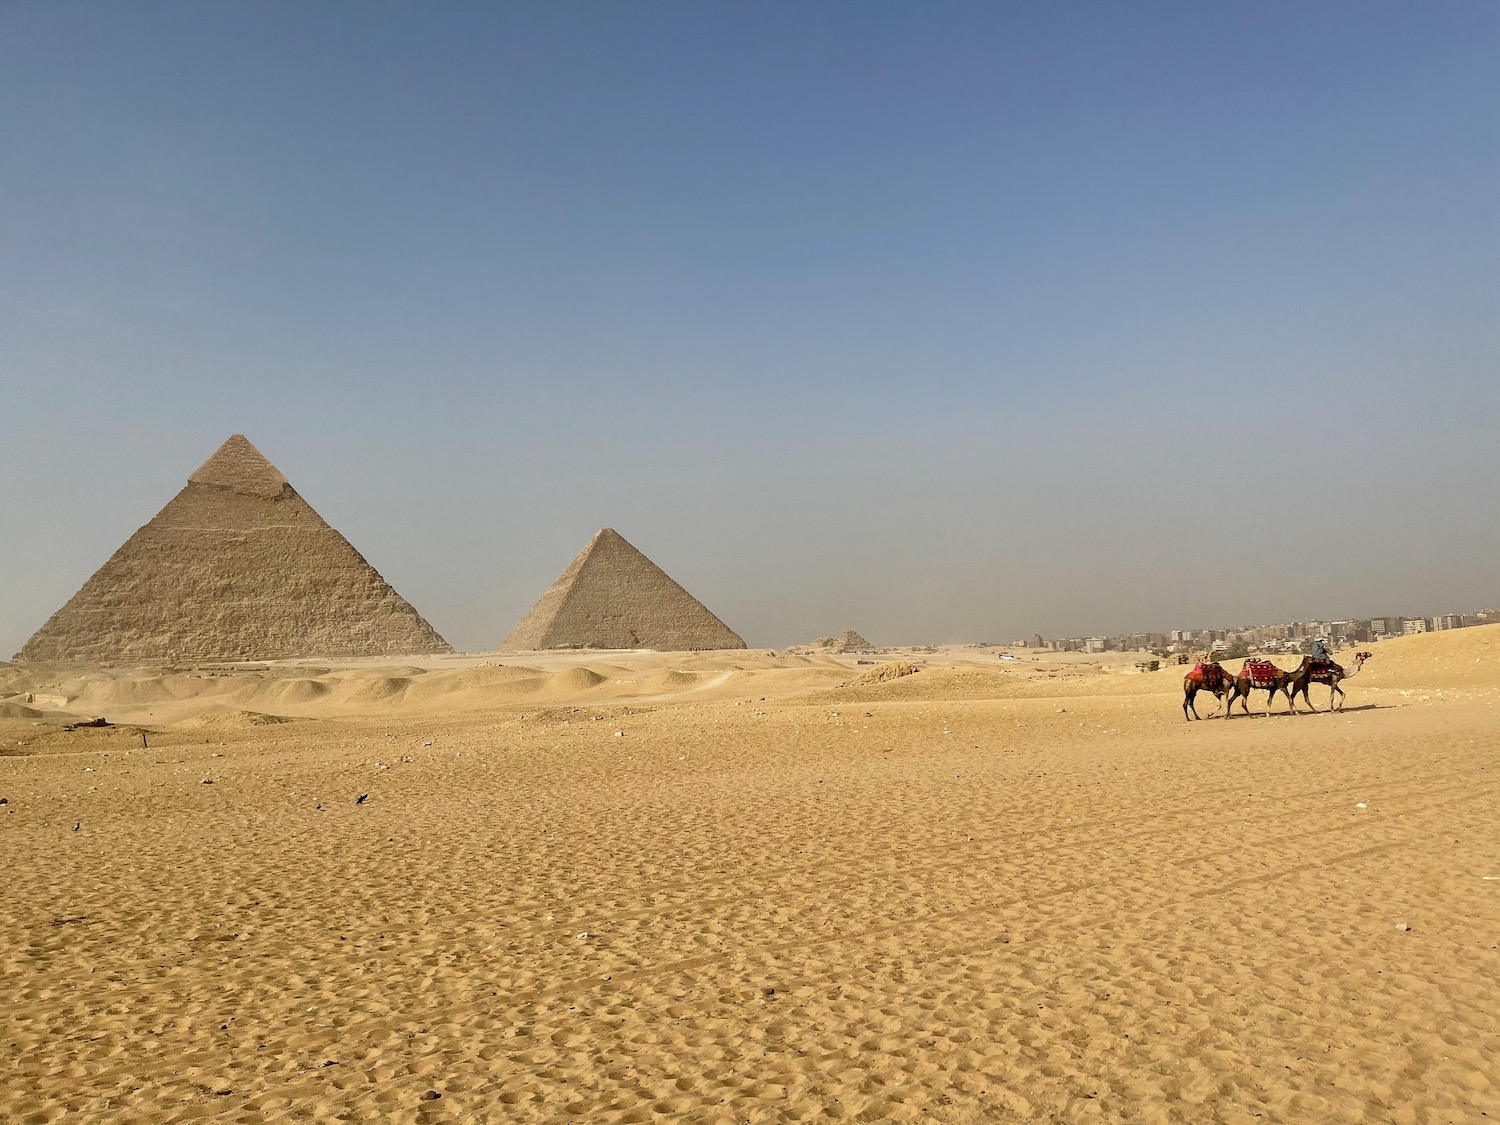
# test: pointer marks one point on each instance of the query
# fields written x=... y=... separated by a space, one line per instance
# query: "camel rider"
x=1320 y=650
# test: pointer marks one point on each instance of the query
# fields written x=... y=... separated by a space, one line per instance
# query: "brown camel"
x=1259 y=675
x=1205 y=677
x=1321 y=672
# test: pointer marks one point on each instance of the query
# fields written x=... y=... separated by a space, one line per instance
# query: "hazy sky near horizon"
x=940 y=322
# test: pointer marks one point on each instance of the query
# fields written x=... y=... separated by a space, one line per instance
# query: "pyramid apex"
x=238 y=466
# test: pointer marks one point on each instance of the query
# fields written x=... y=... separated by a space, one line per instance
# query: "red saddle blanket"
x=1262 y=673
x=1210 y=676
x=1324 y=668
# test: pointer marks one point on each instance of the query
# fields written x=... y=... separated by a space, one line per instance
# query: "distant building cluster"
x=1251 y=639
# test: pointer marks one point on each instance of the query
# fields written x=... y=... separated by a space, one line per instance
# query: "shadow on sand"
x=1319 y=711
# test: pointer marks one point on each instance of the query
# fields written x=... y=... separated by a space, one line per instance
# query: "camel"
x=1308 y=673
x=1259 y=675
x=1205 y=677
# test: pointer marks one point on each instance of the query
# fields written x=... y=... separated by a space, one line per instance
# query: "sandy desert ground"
x=757 y=887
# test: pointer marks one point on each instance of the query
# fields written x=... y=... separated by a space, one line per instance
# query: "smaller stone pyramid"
x=848 y=641
x=612 y=596
x=237 y=566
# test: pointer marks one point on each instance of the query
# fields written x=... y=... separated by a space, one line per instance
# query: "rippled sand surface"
x=747 y=888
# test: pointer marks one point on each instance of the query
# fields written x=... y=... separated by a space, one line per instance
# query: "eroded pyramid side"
x=237 y=566
x=611 y=596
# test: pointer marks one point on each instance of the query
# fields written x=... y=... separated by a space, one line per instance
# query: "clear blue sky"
x=940 y=322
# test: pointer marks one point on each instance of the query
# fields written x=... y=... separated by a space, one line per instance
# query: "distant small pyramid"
x=237 y=566
x=612 y=596
x=848 y=641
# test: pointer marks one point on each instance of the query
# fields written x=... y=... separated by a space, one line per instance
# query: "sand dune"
x=575 y=679
x=727 y=887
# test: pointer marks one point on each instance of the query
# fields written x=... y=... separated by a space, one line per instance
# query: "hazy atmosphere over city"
x=942 y=323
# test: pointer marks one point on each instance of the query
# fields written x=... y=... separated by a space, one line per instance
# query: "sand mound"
x=234 y=720
x=125 y=692
x=18 y=711
x=936 y=683
x=891 y=670
x=296 y=692
x=374 y=689
x=377 y=671
x=575 y=679
x=794 y=659
x=484 y=685
x=670 y=681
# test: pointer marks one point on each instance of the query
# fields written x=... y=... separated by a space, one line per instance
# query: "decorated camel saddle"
x=1325 y=671
x=1262 y=673
x=1210 y=676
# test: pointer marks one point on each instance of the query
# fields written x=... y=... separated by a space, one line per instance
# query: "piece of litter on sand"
x=583 y=935
x=1402 y=926
x=1361 y=805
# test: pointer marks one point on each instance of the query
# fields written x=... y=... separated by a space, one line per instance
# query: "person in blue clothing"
x=1320 y=649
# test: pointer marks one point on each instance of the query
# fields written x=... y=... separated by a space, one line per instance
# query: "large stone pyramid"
x=612 y=596
x=236 y=567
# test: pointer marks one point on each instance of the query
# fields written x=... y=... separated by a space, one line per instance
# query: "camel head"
x=1359 y=660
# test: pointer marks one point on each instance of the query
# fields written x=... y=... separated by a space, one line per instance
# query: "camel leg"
x=1187 y=701
x=1332 y=689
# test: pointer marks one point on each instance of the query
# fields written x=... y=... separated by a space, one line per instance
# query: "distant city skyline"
x=1278 y=636
x=938 y=323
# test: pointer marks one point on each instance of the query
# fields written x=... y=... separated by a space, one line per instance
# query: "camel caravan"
x=1262 y=675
